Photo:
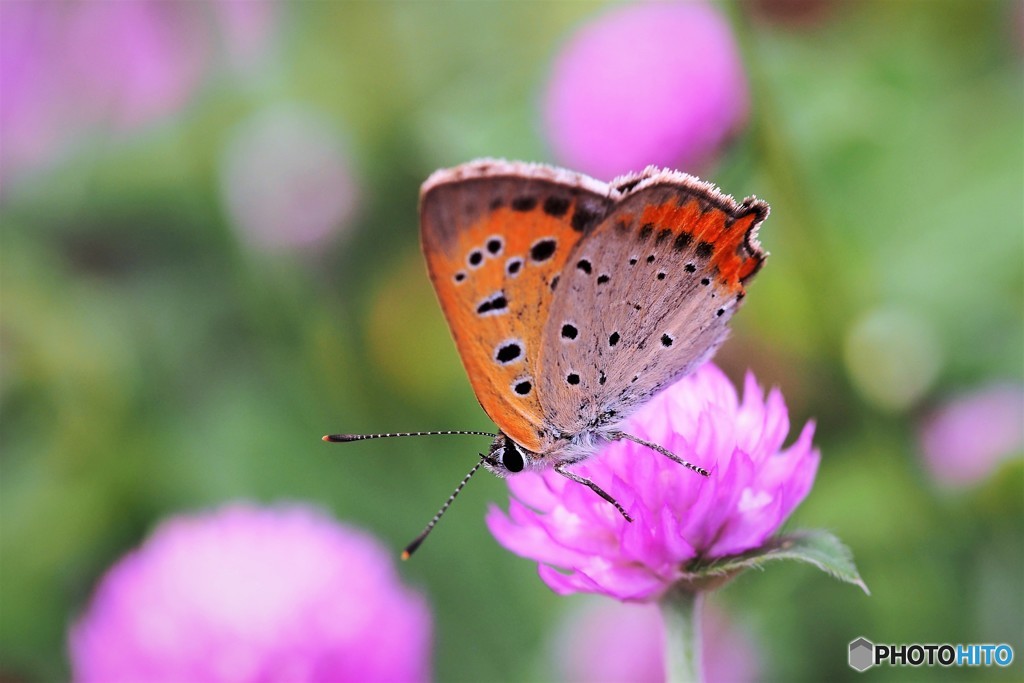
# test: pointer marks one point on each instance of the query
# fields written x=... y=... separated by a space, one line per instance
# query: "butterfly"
x=572 y=301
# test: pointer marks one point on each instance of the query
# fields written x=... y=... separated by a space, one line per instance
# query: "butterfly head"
x=506 y=457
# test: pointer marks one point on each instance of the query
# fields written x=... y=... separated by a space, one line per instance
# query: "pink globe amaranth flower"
x=680 y=518
x=615 y=642
x=967 y=438
x=652 y=83
x=253 y=594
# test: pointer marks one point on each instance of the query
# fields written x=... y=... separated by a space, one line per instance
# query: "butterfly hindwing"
x=644 y=297
x=496 y=235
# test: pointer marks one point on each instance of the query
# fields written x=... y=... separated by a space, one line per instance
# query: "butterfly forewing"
x=644 y=298
x=496 y=236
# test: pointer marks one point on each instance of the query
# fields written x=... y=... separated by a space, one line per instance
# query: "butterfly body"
x=572 y=301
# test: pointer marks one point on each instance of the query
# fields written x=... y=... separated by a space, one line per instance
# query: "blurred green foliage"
x=152 y=364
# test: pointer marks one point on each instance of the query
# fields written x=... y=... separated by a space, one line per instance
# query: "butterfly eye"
x=511 y=458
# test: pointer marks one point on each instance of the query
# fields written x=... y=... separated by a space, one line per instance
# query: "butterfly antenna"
x=345 y=438
x=416 y=542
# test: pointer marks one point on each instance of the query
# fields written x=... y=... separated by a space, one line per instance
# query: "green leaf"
x=813 y=546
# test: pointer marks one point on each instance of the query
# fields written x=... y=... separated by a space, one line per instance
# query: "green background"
x=152 y=364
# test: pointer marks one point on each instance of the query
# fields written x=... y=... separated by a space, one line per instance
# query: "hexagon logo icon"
x=862 y=654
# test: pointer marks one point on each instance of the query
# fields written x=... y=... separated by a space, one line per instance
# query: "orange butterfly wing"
x=495 y=236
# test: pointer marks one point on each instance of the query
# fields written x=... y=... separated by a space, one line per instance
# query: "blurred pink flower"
x=613 y=642
x=966 y=439
x=131 y=63
x=247 y=29
x=33 y=124
x=253 y=594
x=651 y=83
x=679 y=517
x=285 y=179
x=71 y=69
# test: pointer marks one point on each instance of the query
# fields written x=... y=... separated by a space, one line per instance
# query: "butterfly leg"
x=593 y=487
x=661 y=449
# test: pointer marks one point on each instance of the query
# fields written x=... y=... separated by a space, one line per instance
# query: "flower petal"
x=584 y=544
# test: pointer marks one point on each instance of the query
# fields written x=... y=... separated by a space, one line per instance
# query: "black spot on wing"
x=583 y=218
x=543 y=249
x=556 y=206
x=496 y=303
x=524 y=203
x=508 y=352
x=682 y=241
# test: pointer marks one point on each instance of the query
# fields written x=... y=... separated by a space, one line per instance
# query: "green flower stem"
x=680 y=609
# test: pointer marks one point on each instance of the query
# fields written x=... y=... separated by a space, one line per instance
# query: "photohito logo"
x=864 y=654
